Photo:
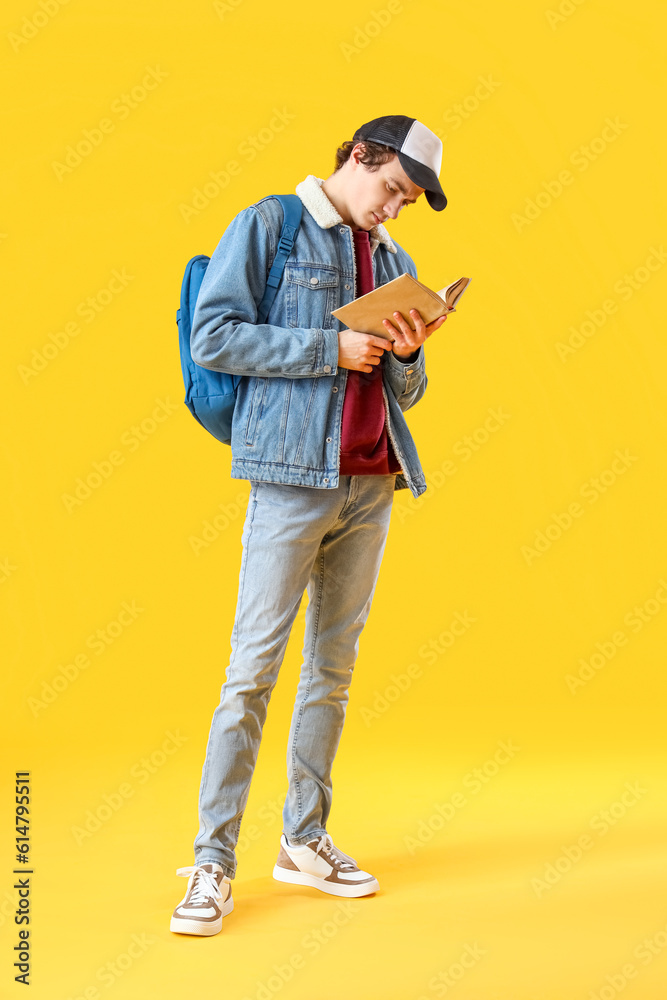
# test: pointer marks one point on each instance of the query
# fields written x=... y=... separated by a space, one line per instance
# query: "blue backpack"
x=209 y=395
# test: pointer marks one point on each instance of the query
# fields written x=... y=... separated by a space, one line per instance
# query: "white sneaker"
x=322 y=866
x=208 y=898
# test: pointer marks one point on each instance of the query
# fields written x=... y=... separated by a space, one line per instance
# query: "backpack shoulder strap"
x=292 y=209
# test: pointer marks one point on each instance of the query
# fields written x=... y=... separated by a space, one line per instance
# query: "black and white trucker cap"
x=419 y=151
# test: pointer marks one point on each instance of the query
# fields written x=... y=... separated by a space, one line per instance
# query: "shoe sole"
x=181 y=925
x=302 y=878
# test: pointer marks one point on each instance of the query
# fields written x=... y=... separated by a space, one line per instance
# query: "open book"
x=404 y=293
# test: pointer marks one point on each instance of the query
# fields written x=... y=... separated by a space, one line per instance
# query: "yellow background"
x=477 y=880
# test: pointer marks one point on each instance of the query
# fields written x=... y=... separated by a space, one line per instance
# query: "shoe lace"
x=326 y=843
x=202 y=885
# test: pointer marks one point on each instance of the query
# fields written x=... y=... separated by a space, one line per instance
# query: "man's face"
x=373 y=196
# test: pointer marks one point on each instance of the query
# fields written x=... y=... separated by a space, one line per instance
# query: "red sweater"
x=365 y=448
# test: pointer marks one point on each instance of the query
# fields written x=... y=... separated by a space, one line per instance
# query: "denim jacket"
x=287 y=418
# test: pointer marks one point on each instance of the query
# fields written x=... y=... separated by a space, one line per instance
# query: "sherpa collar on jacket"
x=322 y=210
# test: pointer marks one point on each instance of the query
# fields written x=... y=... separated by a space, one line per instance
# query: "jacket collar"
x=322 y=210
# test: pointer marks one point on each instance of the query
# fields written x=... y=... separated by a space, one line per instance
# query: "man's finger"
x=436 y=323
x=399 y=320
x=378 y=341
x=417 y=318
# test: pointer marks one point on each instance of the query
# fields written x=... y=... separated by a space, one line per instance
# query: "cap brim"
x=424 y=177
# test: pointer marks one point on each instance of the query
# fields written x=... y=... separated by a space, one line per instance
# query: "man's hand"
x=406 y=340
x=360 y=351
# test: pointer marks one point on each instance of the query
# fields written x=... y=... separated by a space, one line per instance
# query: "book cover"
x=402 y=294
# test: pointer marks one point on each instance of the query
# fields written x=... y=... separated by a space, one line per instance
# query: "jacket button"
x=329 y=440
x=348 y=286
x=335 y=389
x=326 y=480
x=314 y=281
x=341 y=230
x=327 y=369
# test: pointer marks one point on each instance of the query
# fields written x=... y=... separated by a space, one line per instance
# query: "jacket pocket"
x=256 y=407
x=312 y=292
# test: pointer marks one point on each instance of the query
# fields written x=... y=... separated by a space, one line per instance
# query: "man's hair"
x=372 y=156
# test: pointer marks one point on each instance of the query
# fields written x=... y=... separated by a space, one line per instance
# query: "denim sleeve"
x=407 y=381
x=225 y=334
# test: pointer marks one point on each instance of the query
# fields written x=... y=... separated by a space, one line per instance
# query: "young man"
x=319 y=431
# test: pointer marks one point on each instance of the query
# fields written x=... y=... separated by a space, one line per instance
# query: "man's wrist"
x=409 y=360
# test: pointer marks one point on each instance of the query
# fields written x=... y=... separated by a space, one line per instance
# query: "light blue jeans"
x=294 y=537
